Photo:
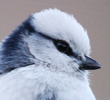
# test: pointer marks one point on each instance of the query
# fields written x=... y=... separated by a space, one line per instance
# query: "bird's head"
x=51 y=38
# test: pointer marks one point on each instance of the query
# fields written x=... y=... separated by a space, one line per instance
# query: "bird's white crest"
x=63 y=26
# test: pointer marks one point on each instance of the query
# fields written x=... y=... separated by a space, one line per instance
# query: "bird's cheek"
x=74 y=64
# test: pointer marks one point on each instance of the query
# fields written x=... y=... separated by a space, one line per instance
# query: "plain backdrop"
x=94 y=15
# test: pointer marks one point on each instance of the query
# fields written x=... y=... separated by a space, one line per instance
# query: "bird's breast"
x=33 y=82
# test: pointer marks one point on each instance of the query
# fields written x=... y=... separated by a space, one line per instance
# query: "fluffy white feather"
x=26 y=83
x=61 y=25
x=32 y=68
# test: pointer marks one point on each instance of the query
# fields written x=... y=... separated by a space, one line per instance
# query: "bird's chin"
x=40 y=62
x=71 y=68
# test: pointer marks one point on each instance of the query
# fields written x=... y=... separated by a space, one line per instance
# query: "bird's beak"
x=89 y=64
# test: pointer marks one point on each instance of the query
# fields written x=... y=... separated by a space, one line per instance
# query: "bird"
x=47 y=57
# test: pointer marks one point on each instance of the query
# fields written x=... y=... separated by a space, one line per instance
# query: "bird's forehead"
x=62 y=26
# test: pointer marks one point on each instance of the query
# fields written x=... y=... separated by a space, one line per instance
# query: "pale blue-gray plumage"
x=46 y=58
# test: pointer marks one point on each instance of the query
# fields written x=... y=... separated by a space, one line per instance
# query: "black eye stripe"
x=61 y=45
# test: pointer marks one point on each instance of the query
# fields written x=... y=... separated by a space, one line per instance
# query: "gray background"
x=94 y=15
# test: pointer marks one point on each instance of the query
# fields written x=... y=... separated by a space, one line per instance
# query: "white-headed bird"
x=46 y=58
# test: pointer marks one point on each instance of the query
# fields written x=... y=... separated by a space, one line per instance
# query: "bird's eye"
x=63 y=47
